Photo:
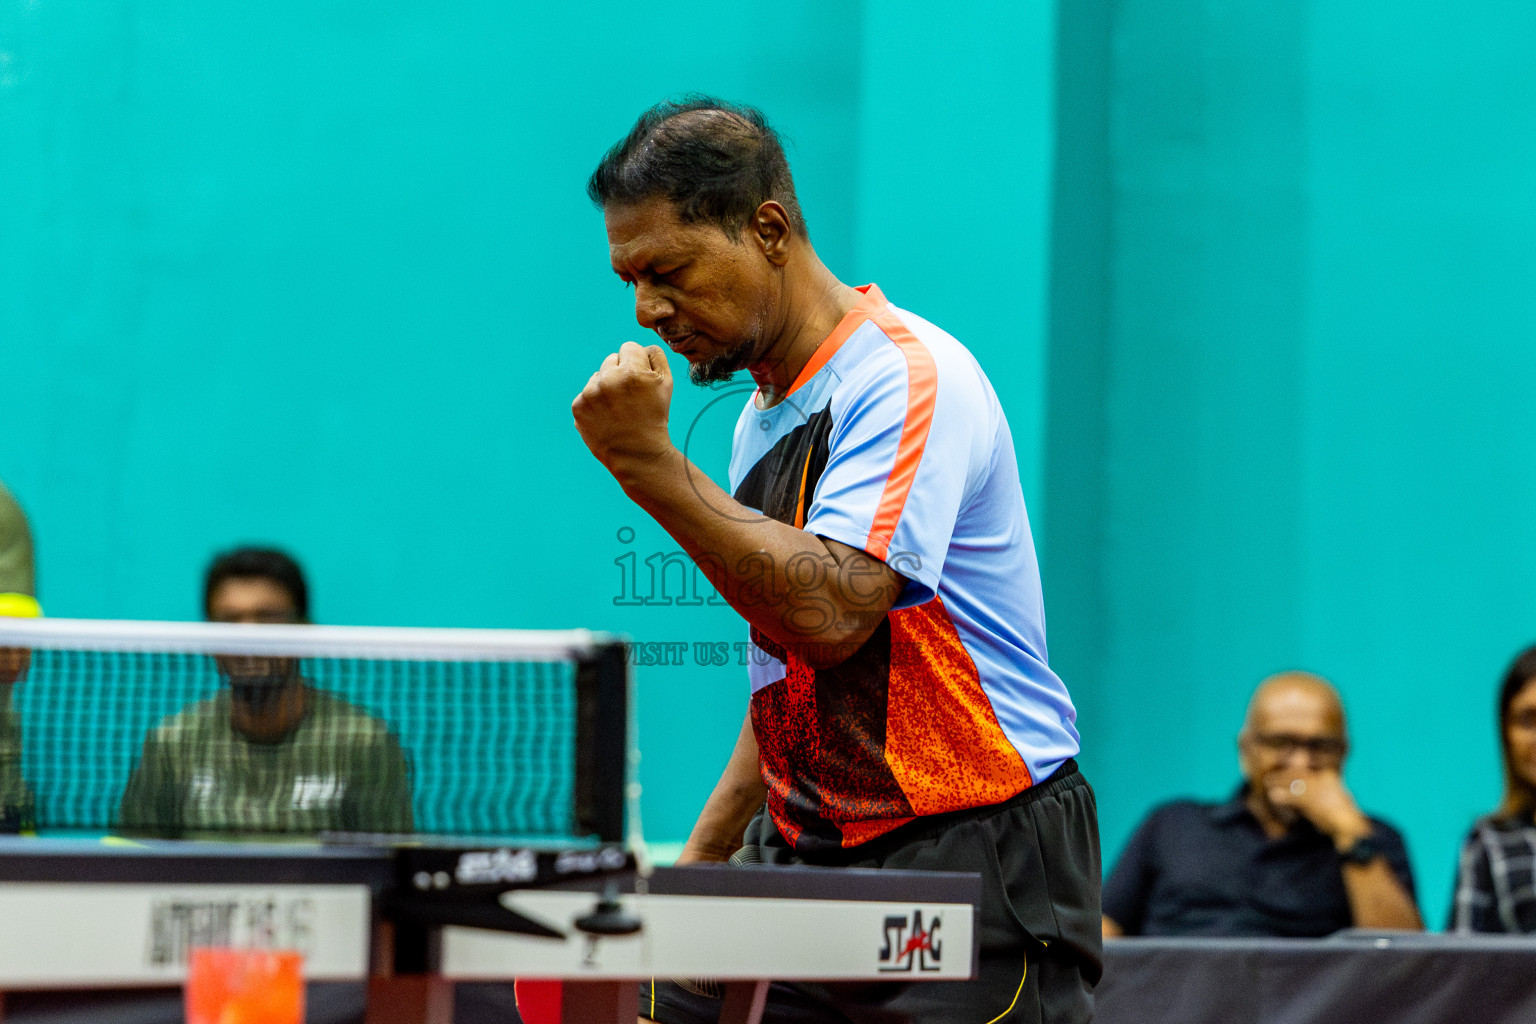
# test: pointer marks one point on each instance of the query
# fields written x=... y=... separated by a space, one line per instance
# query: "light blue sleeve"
x=871 y=412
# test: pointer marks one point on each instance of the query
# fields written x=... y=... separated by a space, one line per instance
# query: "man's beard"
x=260 y=694
x=722 y=367
x=258 y=683
x=1287 y=816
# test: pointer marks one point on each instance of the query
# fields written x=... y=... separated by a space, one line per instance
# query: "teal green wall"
x=324 y=275
x=1254 y=281
x=966 y=100
x=1293 y=342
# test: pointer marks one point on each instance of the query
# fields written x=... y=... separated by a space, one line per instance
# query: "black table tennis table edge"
x=32 y=859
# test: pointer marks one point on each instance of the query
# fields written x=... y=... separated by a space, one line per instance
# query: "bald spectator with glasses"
x=1289 y=855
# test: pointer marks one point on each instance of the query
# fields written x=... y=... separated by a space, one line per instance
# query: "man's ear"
x=770 y=230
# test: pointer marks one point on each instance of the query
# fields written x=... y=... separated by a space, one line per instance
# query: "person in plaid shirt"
x=271 y=753
x=1496 y=876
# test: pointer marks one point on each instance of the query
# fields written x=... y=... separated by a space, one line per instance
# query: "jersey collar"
x=870 y=303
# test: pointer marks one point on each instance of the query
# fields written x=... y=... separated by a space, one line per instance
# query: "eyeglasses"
x=1317 y=748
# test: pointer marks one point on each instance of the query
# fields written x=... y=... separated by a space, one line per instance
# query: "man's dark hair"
x=262 y=563
x=717 y=162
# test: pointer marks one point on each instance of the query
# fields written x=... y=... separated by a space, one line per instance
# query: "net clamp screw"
x=609 y=916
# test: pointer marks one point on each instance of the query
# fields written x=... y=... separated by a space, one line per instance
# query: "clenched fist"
x=622 y=412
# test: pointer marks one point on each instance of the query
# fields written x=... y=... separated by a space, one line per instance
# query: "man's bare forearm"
x=736 y=798
x=1377 y=899
x=820 y=599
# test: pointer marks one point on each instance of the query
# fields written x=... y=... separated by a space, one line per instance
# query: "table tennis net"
x=193 y=730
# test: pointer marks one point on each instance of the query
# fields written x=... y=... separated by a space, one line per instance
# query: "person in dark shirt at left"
x=17 y=803
x=1289 y=855
x=18 y=589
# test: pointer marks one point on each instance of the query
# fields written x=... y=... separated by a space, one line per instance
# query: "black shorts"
x=1038 y=931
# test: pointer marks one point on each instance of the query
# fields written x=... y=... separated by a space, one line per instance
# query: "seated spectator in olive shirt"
x=17 y=578
x=270 y=753
x=1290 y=855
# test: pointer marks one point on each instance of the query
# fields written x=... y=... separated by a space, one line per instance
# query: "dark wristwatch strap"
x=1363 y=851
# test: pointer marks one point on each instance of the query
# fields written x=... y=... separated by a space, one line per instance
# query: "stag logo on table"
x=911 y=943
x=496 y=867
x=263 y=922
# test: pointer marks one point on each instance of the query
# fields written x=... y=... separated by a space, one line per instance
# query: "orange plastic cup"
x=245 y=986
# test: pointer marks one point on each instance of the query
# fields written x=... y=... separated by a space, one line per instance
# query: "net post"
x=602 y=740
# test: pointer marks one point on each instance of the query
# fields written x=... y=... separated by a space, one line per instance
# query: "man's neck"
x=815 y=303
x=273 y=724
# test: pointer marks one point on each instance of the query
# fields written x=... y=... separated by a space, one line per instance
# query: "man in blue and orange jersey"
x=903 y=714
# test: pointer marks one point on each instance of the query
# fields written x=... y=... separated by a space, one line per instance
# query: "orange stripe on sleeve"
x=922 y=390
x=805 y=471
x=872 y=303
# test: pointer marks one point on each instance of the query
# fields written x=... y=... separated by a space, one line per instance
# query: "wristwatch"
x=1361 y=851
